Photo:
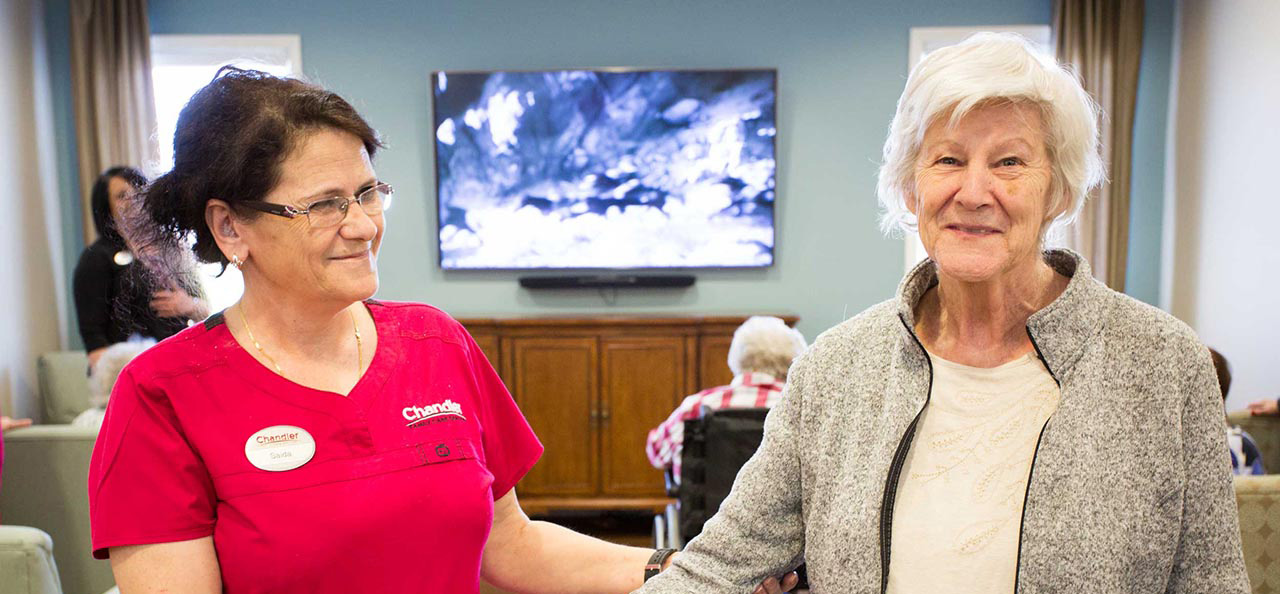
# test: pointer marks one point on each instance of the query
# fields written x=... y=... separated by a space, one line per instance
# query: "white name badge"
x=279 y=448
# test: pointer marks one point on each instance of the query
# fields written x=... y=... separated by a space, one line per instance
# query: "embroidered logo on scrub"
x=432 y=413
x=280 y=447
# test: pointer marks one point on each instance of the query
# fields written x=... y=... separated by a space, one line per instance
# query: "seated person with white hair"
x=759 y=356
x=102 y=378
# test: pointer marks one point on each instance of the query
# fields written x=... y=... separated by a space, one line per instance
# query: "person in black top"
x=115 y=296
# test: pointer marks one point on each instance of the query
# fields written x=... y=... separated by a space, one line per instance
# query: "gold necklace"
x=354 y=327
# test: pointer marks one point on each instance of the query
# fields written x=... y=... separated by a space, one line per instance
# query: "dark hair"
x=1223 y=369
x=231 y=138
x=100 y=199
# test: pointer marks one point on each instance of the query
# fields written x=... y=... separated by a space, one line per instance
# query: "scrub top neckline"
x=385 y=358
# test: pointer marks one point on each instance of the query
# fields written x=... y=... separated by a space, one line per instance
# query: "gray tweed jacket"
x=1130 y=488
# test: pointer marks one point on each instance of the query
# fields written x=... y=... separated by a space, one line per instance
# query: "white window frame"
x=281 y=54
x=181 y=50
x=922 y=41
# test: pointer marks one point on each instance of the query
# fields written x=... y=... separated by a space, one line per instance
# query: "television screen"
x=605 y=169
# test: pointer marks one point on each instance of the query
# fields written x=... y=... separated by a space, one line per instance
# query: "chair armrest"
x=1265 y=431
x=26 y=562
x=52 y=433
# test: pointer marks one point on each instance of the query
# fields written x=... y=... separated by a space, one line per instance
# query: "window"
x=180 y=66
x=927 y=39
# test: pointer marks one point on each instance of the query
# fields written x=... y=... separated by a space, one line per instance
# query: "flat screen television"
x=605 y=169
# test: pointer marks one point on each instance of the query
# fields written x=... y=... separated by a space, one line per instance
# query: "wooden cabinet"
x=592 y=387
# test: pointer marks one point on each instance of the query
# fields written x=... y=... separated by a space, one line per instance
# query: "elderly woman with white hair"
x=1006 y=423
x=760 y=354
x=103 y=374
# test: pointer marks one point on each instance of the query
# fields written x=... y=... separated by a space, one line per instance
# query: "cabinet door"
x=555 y=383
x=643 y=379
x=713 y=361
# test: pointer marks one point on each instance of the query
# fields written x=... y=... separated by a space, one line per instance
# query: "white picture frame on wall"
x=922 y=41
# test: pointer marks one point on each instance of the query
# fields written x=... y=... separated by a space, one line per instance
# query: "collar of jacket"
x=1060 y=331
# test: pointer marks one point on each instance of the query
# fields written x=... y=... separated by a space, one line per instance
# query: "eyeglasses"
x=330 y=211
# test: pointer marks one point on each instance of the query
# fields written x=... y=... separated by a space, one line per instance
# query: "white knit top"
x=960 y=494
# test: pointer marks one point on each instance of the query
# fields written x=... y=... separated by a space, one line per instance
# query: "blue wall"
x=1146 y=188
x=841 y=68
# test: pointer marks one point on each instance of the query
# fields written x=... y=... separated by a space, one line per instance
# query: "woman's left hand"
x=1268 y=407
x=171 y=303
x=7 y=423
x=773 y=586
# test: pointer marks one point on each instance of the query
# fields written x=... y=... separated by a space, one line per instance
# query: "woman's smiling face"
x=333 y=263
x=981 y=191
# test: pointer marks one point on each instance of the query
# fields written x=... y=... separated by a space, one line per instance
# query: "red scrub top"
x=397 y=497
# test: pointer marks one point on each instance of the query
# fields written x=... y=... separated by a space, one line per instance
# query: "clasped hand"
x=773 y=586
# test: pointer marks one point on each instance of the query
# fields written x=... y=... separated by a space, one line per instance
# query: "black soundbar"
x=609 y=281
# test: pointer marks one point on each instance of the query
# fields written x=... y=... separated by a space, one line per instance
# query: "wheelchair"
x=716 y=446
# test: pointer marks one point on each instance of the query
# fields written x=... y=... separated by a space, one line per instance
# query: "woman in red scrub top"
x=309 y=438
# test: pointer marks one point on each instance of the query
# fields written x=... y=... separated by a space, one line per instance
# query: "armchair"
x=1258 y=498
x=46 y=471
x=1265 y=432
x=26 y=562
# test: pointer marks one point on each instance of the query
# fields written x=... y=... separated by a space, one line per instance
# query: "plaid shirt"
x=749 y=390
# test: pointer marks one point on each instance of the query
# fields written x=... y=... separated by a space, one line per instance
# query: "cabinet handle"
x=604 y=413
x=595 y=415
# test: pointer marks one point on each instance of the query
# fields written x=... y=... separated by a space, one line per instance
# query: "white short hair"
x=987 y=68
x=103 y=375
x=765 y=344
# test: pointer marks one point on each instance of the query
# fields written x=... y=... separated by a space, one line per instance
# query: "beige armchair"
x=46 y=470
x=1266 y=433
x=45 y=482
x=1259 y=500
x=26 y=562
x=64 y=385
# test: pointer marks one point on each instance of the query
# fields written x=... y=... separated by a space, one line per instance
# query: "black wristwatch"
x=654 y=567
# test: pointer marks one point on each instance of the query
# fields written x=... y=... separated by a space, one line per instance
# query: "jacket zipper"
x=900 y=455
x=895 y=470
x=1017 y=570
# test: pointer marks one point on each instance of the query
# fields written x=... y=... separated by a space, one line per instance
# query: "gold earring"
x=237 y=262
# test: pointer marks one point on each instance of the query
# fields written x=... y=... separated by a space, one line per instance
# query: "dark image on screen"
x=583 y=169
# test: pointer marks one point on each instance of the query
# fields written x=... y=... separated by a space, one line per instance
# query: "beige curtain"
x=111 y=83
x=1102 y=40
